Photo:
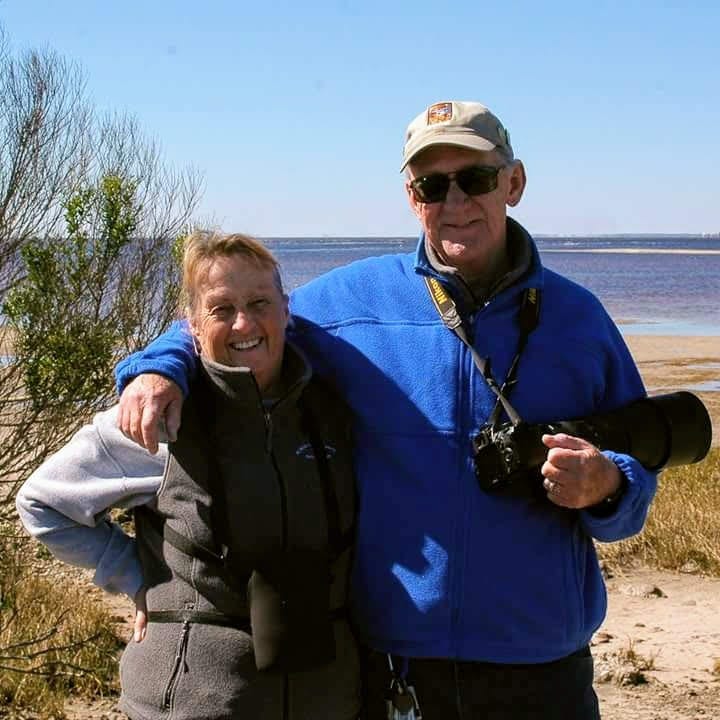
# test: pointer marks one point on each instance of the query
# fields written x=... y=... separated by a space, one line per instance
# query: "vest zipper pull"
x=268 y=433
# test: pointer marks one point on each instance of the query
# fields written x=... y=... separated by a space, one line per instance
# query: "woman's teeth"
x=247 y=345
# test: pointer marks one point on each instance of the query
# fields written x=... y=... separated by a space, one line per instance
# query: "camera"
x=661 y=431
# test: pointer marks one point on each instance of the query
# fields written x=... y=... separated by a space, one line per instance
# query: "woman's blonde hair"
x=203 y=246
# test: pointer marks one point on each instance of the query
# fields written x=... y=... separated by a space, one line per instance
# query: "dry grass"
x=625 y=666
x=55 y=638
x=683 y=527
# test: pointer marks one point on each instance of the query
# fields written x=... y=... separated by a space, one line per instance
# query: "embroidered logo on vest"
x=306 y=452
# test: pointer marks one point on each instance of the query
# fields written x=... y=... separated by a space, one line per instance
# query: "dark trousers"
x=453 y=690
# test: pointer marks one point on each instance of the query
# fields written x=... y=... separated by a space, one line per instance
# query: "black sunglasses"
x=473 y=180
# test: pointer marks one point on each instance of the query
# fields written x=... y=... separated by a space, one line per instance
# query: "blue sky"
x=295 y=111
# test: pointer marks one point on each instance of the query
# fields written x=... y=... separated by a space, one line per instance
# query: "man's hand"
x=145 y=403
x=140 y=627
x=577 y=475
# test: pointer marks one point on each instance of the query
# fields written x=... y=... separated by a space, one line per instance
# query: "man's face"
x=467 y=232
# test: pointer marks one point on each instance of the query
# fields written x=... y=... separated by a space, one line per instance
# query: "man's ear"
x=516 y=186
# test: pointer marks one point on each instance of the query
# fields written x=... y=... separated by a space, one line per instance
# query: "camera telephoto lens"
x=660 y=431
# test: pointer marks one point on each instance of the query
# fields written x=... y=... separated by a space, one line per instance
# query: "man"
x=480 y=590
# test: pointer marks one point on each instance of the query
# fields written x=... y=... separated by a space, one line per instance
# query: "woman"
x=243 y=525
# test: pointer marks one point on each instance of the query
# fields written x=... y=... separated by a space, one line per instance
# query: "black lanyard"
x=336 y=540
x=529 y=317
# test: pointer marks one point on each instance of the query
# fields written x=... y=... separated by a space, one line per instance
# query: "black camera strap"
x=337 y=542
x=528 y=319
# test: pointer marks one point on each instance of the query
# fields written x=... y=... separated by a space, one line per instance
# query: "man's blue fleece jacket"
x=442 y=568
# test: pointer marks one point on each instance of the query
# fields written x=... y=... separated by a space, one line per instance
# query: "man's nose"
x=455 y=196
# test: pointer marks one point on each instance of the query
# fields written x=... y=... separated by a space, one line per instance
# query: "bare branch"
x=53 y=146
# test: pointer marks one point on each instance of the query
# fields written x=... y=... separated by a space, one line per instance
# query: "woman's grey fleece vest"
x=243 y=484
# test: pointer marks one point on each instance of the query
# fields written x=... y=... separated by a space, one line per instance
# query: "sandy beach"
x=674 y=362
x=670 y=619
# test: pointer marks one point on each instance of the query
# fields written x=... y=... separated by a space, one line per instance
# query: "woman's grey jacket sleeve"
x=65 y=502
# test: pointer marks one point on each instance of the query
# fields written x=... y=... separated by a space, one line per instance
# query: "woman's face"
x=240 y=317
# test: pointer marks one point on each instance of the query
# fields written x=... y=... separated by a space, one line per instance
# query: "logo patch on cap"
x=439 y=112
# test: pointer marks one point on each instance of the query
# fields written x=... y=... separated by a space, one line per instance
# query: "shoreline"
x=635 y=250
x=667 y=363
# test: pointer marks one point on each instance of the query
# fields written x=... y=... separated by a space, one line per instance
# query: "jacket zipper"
x=286 y=697
x=268 y=433
x=281 y=482
x=175 y=675
x=284 y=530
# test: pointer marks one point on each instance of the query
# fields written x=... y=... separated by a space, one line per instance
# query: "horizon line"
x=703 y=235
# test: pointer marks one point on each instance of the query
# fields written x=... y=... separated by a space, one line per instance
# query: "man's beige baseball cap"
x=454 y=122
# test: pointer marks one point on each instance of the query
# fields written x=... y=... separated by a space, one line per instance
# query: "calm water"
x=659 y=285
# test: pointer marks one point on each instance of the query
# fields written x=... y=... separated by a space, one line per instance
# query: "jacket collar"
x=238 y=387
x=526 y=271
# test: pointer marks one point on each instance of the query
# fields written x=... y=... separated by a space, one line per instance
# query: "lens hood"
x=660 y=431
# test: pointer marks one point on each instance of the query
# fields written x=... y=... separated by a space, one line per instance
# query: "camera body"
x=661 y=431
x=508 y=454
